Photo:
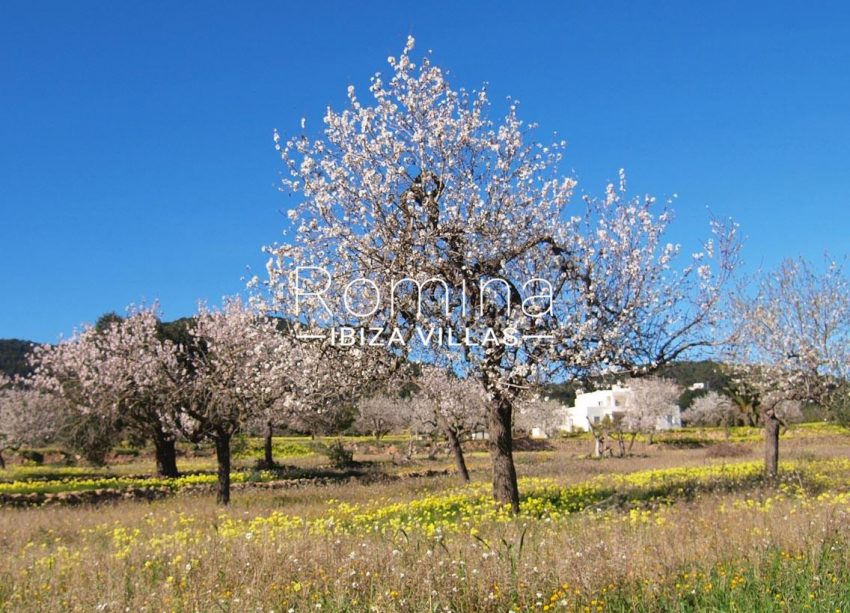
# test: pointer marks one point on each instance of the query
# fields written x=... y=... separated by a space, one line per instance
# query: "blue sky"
x=136 y=154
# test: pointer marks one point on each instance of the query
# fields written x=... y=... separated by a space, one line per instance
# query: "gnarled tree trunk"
x=772 y=424
x=457 y=452
x=165 y=449
x=505 y=489
x=222 y=454
x=268 y=460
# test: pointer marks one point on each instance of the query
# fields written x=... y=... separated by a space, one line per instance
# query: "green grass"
x=818 y=580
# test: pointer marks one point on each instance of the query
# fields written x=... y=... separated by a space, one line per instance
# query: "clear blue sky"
x=136 y=156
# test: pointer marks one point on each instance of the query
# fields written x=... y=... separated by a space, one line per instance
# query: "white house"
x=595 y=406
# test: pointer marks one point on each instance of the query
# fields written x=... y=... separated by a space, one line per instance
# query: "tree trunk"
x=771 y=443
x=166 y=455
x=597 y=439
x=432 y=449
x=269 y=458
x=505 y=489
x=457 y=451
x=752 y=418
x=621 y=444
x=222 y=454
x=2 y=461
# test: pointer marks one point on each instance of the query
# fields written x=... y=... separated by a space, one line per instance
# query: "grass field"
x=685 y=524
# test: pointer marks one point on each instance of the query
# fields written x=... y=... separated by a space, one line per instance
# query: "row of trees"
x=203 y=379
x=222 y=371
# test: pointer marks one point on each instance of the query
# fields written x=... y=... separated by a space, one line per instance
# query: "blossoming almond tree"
x=711 y=409
x=379 y=415
x=244 y=366
x=793 y=343
x=237 y=363
x=536 y=411
x=420 y=213
x=652 y=401
x=27 y=417
x=450 y=406
x=268 y=420
x=120 y=372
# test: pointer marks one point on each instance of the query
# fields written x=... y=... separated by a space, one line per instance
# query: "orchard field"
x=687 y=523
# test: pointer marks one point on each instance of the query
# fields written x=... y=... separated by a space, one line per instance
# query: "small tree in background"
x=793 y=343
x=652 y=402
x=540 y=412
x=743 y=395
x=450 y=406
x=27 y=417
x=711 y=409
x=381 y=414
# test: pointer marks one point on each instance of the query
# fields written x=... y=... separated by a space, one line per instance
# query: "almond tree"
x=268 y=420
x=237 y=361
x=379 y=415
x=119 y=372
x=450 y=406
x=419 y=211
x=711 y=409
x=742 y=394
x=649 y=405
x=793 y=343
x=651 y=402
x=540 y=412
x=73 y=373
x=27 y=417
x=244 y=366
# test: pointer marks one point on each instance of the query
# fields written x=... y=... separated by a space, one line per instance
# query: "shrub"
x=339 y=455
x=31 y=457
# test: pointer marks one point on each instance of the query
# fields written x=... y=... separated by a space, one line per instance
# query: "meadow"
x=688 y=523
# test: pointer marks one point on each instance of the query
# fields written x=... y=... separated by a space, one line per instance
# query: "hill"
x=13 y=356
x=684 y=373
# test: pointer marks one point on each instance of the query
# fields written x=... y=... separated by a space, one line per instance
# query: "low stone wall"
x=97 y=496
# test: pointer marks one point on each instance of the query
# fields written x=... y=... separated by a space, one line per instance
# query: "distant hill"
x=13 y=356
x=687 y=373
